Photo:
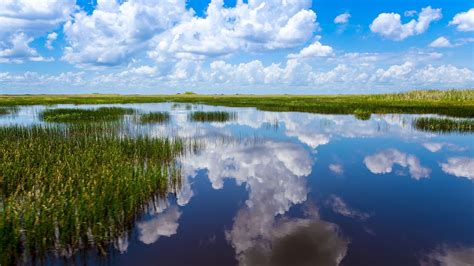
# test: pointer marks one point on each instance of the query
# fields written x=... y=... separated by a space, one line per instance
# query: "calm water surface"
x=303 y=189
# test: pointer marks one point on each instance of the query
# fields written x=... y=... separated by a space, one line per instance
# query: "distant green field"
x=458 y=103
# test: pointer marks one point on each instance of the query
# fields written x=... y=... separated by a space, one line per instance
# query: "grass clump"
x=218 y=116
x=362 y=114
x=67 y=188
x=154 y=117
x=444 y=125
x=103 y=114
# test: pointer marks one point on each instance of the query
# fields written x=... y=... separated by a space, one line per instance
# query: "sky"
x=235 y=46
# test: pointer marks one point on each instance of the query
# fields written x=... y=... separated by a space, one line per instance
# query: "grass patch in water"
x=444 y=125
x=67 y=188
x=216 y=116
x=103 y=114
x=362 y=114
x=154 y=117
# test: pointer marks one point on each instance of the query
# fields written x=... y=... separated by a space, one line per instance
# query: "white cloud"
x=254 y=72
x=50 y=39
x=395 y=72
x=383 y=161
x=449 y=256
x=23 y=20
x=442 y=74
x=342 y=18
x=389 y=25
x=338 y=205
x=316 y=49
x=164 y=224
x=252 y=26
x=441 y=42
x=410 y=13
x=20 y=51
x=459 y=166
x=437 y=146
x=114 y=32
x=336 y=168
x=464 y=21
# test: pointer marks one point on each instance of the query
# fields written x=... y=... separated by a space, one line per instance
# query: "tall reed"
x=217 y=116
x=444 y=125
x=66 y=188
x=154 y=117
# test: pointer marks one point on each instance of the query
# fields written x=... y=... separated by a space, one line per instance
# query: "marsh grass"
x=458 y=103
x=154 y=117
x=8 y=110
x=217 y=116
x=362 y=114
x=102 y=114
x=67 y=188
x=444 y=125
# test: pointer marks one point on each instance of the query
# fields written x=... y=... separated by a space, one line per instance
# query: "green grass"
x=217 y=116
x=154 y=117
x=444 y=125
x=362 y=114
x=458 y=103
x=8 y=110
x=67 y=188
x=103 y=114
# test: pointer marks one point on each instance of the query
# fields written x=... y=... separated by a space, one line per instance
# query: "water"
x=304 y=189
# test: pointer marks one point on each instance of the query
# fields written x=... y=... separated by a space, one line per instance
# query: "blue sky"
x=254 y=46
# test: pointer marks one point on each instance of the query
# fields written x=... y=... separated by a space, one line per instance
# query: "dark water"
x=305 y=189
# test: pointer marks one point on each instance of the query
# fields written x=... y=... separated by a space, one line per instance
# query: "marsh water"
x=288 y=188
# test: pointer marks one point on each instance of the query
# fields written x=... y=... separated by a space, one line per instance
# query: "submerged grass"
x=444 y=125
x=154 y=117
x=459 y=103
x=217 y=116
x=66 y=188
x=8 y=110
x=66 y=115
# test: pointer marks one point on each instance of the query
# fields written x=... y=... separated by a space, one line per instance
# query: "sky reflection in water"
x=306 y=189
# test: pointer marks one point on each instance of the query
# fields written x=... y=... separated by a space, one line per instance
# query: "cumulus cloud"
x=316 y=49
x=20 y=51
x=459 y=166
x=437 y=146
x=244 y=27
x=115 y=31
x=383 y=161
x=336 y=168
x=342 y=18
x=24 y=20
x=389 y=25
x=441 y=42
x=449 y=256
x=164 y=224
x=50 y=39
x=442 y=74
x=338 y=205
x=464 y=21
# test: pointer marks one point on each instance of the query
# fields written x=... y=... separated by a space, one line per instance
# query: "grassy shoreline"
x=457 y=103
